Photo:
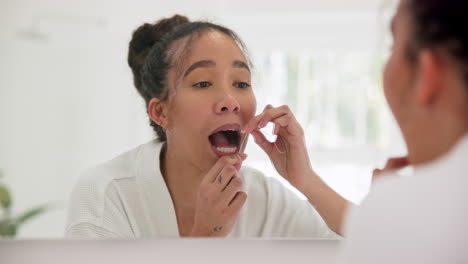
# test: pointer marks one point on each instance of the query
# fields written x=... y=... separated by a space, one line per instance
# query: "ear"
x=157 y=111
x=429 y=85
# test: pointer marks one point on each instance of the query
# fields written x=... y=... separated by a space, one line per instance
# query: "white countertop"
x=219 y=251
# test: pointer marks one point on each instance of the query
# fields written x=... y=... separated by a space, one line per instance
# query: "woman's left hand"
x=290 y=158
x=288 y=153
x=392 y=164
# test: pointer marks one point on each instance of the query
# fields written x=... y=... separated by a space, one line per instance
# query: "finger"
x=214 y=172
x=397 y=163
x=281 y=122
x=260 y=139
x=270 y=113
x=392 y=164
x=238 y=166
x=267 y=107
x=276 y=130
x=225 y=177
x=376 y=173
x=253 y=123
x=237 y=202
x=229 y=192
x=281 y=144
x=243 y=156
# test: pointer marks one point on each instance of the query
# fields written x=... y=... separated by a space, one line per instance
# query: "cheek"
x=193 y=114
x=390 y=77
x=249 y=106
x=185 y=113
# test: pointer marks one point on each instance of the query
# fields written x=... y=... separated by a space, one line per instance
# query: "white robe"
x=127 y=198
x=417 y=219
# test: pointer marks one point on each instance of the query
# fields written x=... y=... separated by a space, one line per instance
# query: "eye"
x=202 y=84
x=242 y=85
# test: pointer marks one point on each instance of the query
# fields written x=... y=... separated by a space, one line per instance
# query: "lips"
x=225 y=140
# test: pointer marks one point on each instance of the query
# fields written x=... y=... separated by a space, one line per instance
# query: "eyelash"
x=244 y=85
x=202 y=84
x=240 y=85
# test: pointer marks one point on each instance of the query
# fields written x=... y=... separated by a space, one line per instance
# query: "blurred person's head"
x=196 y=82
x=426 y=77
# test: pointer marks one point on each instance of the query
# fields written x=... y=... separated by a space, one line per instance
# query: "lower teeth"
x=226 y=150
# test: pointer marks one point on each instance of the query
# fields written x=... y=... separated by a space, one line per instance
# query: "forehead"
x=208 y=46
x=213 y=45
x=401 y=15
x=402 y=8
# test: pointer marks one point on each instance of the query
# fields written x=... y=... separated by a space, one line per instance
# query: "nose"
x=227 y=104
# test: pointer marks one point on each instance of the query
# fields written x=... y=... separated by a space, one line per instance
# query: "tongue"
x=219 y=139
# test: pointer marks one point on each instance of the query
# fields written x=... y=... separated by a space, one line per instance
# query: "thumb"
x=392 y=164
x=376 y=175
x=396 y=163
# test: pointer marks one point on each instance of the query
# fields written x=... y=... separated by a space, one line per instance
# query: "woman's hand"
x=220 y=198
x=392 y=165
x=290 y=158
x=288 y=153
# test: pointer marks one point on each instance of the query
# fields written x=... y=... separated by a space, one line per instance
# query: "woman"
x=195 y=80
x=422 y=218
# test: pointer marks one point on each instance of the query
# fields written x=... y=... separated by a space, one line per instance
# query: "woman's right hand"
x=219 y=199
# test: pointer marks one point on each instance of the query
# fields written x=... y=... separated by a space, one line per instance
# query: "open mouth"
x=225 y=142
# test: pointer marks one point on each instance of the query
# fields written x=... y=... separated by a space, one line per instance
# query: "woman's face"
x=210 y=101
x=399 y=71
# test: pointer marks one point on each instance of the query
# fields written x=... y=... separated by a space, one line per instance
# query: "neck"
x=430 y=142
x=182 y=181
x=181 y=177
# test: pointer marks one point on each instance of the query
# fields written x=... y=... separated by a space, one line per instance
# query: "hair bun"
x=144 y=38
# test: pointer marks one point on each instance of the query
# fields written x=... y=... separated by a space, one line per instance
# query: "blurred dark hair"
x=152 y=53
x=443 y=26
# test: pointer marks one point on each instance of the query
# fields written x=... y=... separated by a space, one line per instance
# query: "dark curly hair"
x=152 y=53
x=441 y=25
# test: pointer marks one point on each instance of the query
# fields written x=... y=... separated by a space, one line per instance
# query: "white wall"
x=66 y=94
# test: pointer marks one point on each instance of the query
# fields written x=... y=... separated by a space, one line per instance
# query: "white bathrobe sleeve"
x=285 y=213
x=290 y=216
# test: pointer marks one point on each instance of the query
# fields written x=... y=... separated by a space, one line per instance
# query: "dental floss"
x=276 y=146
x=277 y=136
x=244 y=142
x=271 y=136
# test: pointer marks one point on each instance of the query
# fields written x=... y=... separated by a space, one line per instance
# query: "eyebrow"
x=199 y=64
x=209 y=64
x=240 y=64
